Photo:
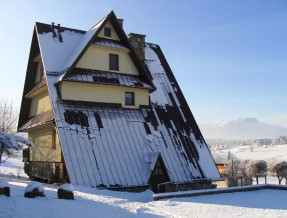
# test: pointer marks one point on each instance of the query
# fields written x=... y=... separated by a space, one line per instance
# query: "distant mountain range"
x=247 y=128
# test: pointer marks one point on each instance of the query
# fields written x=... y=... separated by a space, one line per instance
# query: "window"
x=114 y=62
x=158 y=168
x=107 y=32
x=130 y=98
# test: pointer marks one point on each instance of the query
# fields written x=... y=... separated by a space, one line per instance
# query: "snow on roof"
x=80 y=46
x=58 y=56
x=150 y=159
x=168 y=96
x=106 y=146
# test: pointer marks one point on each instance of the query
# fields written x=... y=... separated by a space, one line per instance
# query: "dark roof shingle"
x=109 y=78
x=38 y=120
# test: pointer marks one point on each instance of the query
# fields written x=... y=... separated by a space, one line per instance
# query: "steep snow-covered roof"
x=105 y=145
x=58 y=55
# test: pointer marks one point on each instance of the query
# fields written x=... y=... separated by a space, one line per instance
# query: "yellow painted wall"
x=97 y=58
x=102 y=93
x=114 y=35
x=40 y=103
x=42 y=139
x=39 y=72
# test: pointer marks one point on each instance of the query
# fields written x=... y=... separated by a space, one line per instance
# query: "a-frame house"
x=104 y=110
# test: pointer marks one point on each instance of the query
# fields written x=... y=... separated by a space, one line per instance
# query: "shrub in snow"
x=66 y=191
x=8 y=143
x=256 y=168
x=4 y=188
x=278 y=167
x=34 y=189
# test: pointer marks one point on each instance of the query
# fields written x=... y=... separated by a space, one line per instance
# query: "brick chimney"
x=138 y=43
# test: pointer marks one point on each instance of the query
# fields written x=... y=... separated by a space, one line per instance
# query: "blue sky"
x=229 y=57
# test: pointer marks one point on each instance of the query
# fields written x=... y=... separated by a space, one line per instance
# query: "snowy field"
x=254 y=153
x=90 y=202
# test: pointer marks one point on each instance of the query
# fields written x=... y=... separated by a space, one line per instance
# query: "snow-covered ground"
x=13 y=167
x=254 y=153
x=90 y=202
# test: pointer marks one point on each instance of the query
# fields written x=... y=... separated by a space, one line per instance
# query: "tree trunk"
x=265 y=179
x=1 y=152
x=257 y=180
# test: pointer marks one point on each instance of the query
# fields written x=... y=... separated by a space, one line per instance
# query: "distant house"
x=105 y=110
x=221 y=168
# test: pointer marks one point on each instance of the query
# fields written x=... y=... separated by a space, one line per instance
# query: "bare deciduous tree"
x=233 y=170
x=236 y=169
x=8 y=116
x=233 y=167
x=8 y=122
x=256 y=168
x=279 y=167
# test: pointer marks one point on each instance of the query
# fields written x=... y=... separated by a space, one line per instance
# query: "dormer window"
x=114 y=62
x=107 y=32
x=129 y=98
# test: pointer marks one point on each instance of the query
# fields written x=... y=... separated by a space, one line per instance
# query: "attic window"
x=114 y=61
x=107 y=32
x=158 y=170
x=130 y=98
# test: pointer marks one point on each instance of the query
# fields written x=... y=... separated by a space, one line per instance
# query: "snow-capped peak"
x=219 y=123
